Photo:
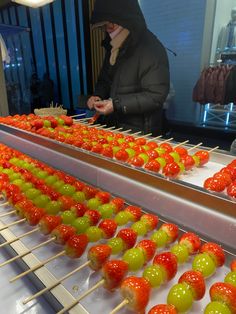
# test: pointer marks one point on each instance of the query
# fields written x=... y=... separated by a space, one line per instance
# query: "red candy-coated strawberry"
x=168 y=263
x=98 y=255
x=171 y=170
x=233 y=265
x=16 y=197
x=203 y=156
x=135 y=212
x=48 y=223
x=215 y=251
x=214 y=184
x=137 y=291
x=76 y=245
x=148 y=247
x=34 y=215
x=93 y=215
x=67 y=202
x=78 y=185
x=191 y=241
x=62 y=233
x=104 y=197
x=22 y=206
x=150 y=221
x=108 y=227
x=119 y=204
x=195 y=281
x=171 y=230
x=163 y=309
x=231 y=190
x=89 y=191
x=113 y=272
x=129 y=237
x=79 y=209
x=224 y=292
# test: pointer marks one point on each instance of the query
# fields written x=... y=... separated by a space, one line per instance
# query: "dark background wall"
x=57 y=44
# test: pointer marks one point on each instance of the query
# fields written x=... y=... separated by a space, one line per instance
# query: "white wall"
x=222 y=18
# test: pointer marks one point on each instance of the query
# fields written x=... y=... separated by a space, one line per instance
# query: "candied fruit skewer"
x=112 y=278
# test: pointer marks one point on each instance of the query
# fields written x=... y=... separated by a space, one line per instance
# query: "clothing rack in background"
x=215 y=90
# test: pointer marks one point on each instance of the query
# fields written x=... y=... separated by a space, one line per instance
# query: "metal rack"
x=179 y=201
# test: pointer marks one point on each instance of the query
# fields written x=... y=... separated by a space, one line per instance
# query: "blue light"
x=205 y=112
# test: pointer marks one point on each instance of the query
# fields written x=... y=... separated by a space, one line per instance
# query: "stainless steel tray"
x=189 y=206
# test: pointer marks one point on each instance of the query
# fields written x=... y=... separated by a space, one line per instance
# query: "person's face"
x=110 y=27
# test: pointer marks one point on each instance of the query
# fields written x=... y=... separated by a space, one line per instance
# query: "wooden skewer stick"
x=147 y=135
x=192 y=148
x=19 y=237
x=111 y=128
x=13 y=224
x=120 y=306
x=178 y=145
x=155 y=138
x=100 y=126
x=126 y=131
x=78 y=115
x=137 y=133
x=119 y=129
x=166 y=141
x=213 y=149
x=37 y=266
x=96 y=286
x=85 y=119
x=4 y=204
x=27 y=252
x=58 y=282
x=7 y=214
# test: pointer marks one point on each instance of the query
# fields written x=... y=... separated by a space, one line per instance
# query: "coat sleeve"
x=154 y=79
x=102 y=88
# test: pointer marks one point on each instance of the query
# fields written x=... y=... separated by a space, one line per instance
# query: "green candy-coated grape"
x=41 y=174
x=231 y=278
x=135 y=259
x=58 y=184
x=67 y=189
x=32 y=193
x=26 y=186
x=160 y=238
x=154 y=275
x=93 y=203
x=140 y=228
x=53 y=207
x=216 y=307
x=106 y=210
x=122 y=218
x=181 y=252
x=14 y=176
x=94 y=234
x=50 y=180
x=116 y=245
x=41 y=201
x=181 y=297
x=68 y=217
x=79 y=197
x=81 y=224
x=204 y=263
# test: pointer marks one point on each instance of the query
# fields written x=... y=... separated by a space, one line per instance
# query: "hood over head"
x=126 y=13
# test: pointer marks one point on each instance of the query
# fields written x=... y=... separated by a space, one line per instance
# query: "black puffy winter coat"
x=139 y=81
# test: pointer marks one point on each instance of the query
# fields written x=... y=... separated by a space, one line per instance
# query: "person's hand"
x=91 y=101
x=104 y=107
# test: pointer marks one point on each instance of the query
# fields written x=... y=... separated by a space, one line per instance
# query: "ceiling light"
x=33 y=3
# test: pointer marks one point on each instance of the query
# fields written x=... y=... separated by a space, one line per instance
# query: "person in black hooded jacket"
x=134 y=80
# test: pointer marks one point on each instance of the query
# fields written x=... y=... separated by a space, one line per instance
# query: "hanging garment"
x=5 y=55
